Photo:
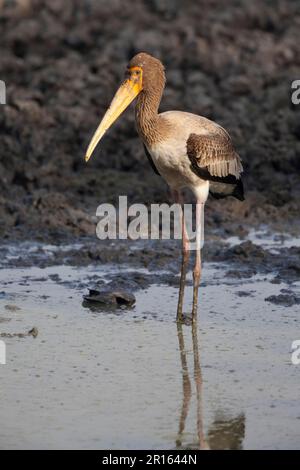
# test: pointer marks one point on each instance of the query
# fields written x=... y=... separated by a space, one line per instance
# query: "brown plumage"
x=214 y=158
x=215 y=153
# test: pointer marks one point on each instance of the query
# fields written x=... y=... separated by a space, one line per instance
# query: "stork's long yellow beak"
x=127 y=92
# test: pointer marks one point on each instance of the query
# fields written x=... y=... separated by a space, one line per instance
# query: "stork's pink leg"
x=197 y=268
x=185 y=255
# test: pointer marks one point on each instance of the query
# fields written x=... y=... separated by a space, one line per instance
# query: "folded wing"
x=214 y=158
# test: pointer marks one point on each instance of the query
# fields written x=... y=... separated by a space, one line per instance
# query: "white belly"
x=173 y=164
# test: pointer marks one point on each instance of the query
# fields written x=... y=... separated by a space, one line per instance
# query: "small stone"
x=33 y=332
x=12 y=308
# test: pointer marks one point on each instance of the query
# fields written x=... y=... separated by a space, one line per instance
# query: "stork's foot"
x=185 y=319
x=179 y=316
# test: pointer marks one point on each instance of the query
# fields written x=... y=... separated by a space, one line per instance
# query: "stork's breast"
x=172 y=162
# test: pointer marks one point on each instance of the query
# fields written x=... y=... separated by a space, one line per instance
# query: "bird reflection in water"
x=224 y=432
x=187 y=388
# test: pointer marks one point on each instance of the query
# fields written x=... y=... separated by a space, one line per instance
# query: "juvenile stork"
x=187 y=150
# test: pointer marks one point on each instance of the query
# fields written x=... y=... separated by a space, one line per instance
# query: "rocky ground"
x=62 y=62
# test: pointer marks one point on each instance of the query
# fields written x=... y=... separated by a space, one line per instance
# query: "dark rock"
x=287 y=300
x=112 y=298
x=241 y=273
x=243 y=293
x=246 y=250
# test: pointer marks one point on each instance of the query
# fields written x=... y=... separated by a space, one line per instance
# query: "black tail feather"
x=220 y=190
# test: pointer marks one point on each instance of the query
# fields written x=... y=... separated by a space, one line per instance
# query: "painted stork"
x=187 y=150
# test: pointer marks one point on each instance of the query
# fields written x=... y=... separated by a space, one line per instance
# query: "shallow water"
x=267 y=239
x=132 y=379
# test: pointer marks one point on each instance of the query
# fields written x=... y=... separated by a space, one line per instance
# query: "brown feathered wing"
x=214 y=158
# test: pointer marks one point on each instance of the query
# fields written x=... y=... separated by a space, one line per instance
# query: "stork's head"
x=149 y=69
x=145 y=74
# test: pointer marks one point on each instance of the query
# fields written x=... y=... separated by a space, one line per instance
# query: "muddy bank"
x=274 y=255
x=62 y=61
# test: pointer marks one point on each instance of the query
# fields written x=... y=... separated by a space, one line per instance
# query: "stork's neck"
x=149 y=124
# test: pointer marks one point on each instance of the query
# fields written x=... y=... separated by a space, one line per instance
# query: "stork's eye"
x=134 y=73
